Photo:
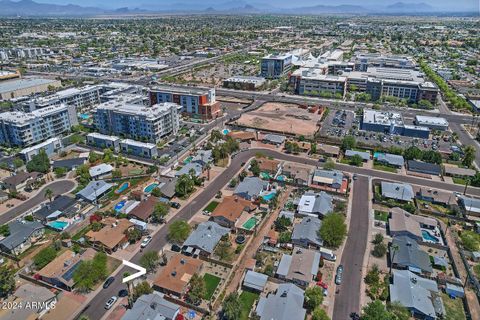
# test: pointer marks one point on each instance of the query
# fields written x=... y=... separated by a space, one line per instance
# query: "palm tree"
x=49 y=194
x=208 y=167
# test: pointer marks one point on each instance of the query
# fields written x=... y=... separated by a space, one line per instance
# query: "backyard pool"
x=150 y=187
x=428 y=237
x=269 y=196
x=376 y=154
x=225 y=131
x=120 y=205
x=58 y=225
x=265 y=175
x=249 y=224
x=281 y=178
x=124 y=186
x=187 y=160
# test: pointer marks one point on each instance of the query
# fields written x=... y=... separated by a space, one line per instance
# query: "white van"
x=328 y=254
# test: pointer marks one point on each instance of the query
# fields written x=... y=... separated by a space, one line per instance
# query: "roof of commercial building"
x=186 y=90
x=398 y=191
x=426 y=121
x=285 y=304
x=255 y=280
x=385 y=118
x=409 y=254
x=152 y=307
x=94 y=189
x=206 y=236
x=308 y=229
x=139 y=144
x=316 y=203
x=19 y=232
x=176 y=275
x=24 y=83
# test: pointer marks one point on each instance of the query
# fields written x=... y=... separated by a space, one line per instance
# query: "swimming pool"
x=281 y=178
x=124 y=186
x=270 y=196
x=428 y=237
x=58 y=225
x=225 y=131
x=249 y=224
x=376 y=154
x=120 y=205
x=84 y=116
x=150 y=187
x=187 y=160
x=264 y=175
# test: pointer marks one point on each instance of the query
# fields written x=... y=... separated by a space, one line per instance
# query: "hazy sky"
x=450 y=4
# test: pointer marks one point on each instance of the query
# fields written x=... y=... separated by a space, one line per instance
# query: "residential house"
x=195 y=166
x=59 y=272
x=328 y=150
x=230 y=209
x=101 y=171
x=300 y=268
x=407 y=255
x=69 y=164
x=22 y=235
x=397 y=191
x=315 y=204
x=21 y=181
x=299 y=174
x=167 y=186
x=457 y=172
x=242 y=136
x=389 y=159
x=305 y=233
x=152 y=306
x=424 y=167
x=285 y=304
x=175 y=276
x=112 y=236
x=470 y=205
x=94 y=190
x=444 y=198
x=274 y=139
x=329 y=178
x=271 y=238
x=54 y=209
x=267 y=165
x=365 y=155
x=255 y=281
x=204 y=238
x=144 y=210
x=402 y=223
x=35 y=301
x=287 y=214
x=250 y=188
x=3 y=196
x=419 y=295
x=203 y=157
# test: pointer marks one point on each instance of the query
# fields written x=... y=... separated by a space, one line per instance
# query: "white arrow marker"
x=141 y=271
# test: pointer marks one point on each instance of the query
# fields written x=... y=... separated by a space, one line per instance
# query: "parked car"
x=175 y=205
x=122 y=293
x=146 y=241
x=110 y=302
x=108 y=282
x=339 y=275
x=176 y=248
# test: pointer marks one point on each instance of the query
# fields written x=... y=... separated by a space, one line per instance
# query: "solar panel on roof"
x=69 y=274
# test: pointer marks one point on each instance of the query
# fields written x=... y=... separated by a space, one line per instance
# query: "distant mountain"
x=32 y=8
x=403 y=7
x=322 y=9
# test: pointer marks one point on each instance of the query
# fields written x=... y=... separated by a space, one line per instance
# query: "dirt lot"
x=280 y=117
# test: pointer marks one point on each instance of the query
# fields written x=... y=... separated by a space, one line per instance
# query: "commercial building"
x=25 y=129
x=434 y=123
x=11 y=89
x=365 y=60
x=310 y=81
x=139 y=149
x=391 y=123
x=7 y=75
x=274 y=66
x=103 y=141
x=137 y=121
x=244 y=82
x=50 y=146
x=196 y=102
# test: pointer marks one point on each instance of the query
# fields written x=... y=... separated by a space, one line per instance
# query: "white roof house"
x=100 y=170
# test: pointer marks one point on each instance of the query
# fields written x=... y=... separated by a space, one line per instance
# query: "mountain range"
x=32 y=8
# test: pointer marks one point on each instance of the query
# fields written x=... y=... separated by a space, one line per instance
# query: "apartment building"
x=24 y=129
x=196 y=102
x=149 y=124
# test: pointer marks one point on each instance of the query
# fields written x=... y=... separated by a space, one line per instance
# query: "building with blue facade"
x=149 y=124
x=103 y=141
x=139 y=149
x=274 y=66
x=391 y=123
x=25 y=129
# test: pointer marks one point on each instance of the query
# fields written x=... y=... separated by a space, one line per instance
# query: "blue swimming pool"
x=124 y=186
x=84 y=116
x=225 y=131
x=270 y=196
x=150 y=187
x=281 y=178
x=58 y=225
x=376 y=154
x=428 y=237
x=120 y=205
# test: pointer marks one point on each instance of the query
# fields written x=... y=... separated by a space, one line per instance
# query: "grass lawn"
x=246 y=301
x=459 y=180
x=211 y=206
x=211 y=283
x=384 y=168
x=453 y=308
x=381 y=215
x=135 y=172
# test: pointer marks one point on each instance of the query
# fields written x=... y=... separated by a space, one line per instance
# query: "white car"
x=110 y=302
x=146 y=241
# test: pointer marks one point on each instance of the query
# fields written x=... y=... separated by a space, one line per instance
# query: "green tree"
x=313 y=297
x=4 y=230
x=185 y=185
x=134 y=235
x=60 y=172
x=44 y=257
x=398 y=311
x=348 y=143
x=156 y=192
x=254 y=168
x=7 y=280
x=432 y=156
x=116 y=174
x=379 y=250
x=178 y=231
x=356 y=160
x=231 y=306
x=329 y=164
x=39 y=163
x=469 y=156
x=313 y=148
x=197 y=289
x=333 y=230
x=375 y=310
x=160 y=211
x=412 y=153
x=83 y=174
x=90 y=272
x=107 y=155
x=282 y=223
x=93 y=157
x=378 y=238
x=224 y=250
x=285 y=237
x=49 y=194
x=320 y=314
x=150 y=260
x=141 y=289
x=17 y=163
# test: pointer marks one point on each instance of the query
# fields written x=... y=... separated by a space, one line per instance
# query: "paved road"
x=58 y=187
x=96 y=309
x=348 y=299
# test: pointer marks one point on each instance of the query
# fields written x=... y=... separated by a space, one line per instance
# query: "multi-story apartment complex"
x=365 y=60
x=196 y=102
x=24 y=129
x=274 y=66
x=22 y=53
x=313 y=82
x=137 y=121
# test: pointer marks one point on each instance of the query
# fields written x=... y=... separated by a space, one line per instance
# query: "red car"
x=321 y=284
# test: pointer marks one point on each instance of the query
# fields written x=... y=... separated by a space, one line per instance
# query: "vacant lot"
x=282 y=118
